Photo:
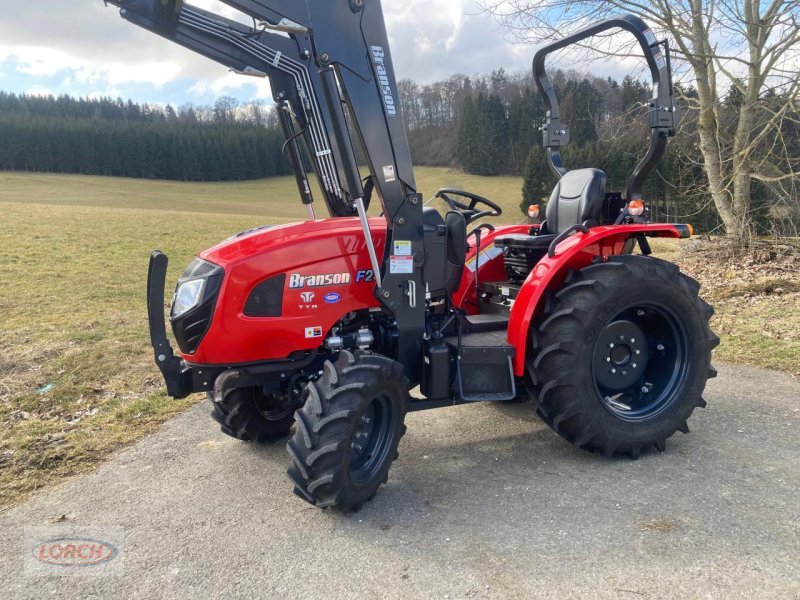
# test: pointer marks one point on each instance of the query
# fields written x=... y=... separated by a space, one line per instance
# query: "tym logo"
x=378 y=56
x=297 y=281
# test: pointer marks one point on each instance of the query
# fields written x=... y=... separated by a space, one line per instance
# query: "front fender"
x=575 y=252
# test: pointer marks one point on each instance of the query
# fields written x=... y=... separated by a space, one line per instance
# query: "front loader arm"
x=261 y=54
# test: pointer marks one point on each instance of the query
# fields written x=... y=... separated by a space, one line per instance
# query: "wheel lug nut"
x=622 y=338
x=611 y=345
x=613 y=370
x=608 y=359
x=660 y=347
x=633 y=340
x=645 y=390
x=637 y=351
x=640 y=312
x=634 y=365
x=365 y=420
x=356 y=447
x=624 y=372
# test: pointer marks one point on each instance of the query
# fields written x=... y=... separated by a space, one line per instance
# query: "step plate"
x=484 y=367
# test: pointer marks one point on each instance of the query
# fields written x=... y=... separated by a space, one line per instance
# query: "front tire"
x=622 y=355
x=250 y=415
x=348 y=431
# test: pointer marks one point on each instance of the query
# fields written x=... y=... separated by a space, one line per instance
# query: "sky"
x=82 y=48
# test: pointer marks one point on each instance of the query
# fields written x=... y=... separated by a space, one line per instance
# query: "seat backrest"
x=456 y=249
x=578 y=197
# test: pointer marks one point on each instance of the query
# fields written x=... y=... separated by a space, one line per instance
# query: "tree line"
x=486 y=125
x=490 y=125
x=105 y=136
x=740 y=59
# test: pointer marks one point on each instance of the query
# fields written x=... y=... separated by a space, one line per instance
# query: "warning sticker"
x=313 y=332
x=402 y=248
x=487 y=255
x=401 y=264
x=388 y=174
x=649 y=36
x=659 y=59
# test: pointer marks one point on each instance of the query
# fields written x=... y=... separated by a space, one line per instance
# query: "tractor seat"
x=527 y=242
x=576 y=200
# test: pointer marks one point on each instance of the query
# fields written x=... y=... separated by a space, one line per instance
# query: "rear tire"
x=348 y=431
x=249 y=415
x=622 y=355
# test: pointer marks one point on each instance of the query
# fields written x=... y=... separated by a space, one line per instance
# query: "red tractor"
x=325 y=326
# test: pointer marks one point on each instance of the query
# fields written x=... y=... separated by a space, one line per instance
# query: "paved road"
x=485 y=502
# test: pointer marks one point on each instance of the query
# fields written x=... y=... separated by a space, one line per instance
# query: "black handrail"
x=551 y=251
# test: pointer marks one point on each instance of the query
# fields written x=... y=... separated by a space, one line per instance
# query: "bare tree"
x=256 y=112
x=745 y=48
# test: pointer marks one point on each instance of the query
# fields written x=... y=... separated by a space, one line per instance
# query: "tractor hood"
x=325 y=237
x=284 y=288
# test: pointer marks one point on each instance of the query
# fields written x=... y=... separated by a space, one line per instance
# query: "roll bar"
x=661 y=116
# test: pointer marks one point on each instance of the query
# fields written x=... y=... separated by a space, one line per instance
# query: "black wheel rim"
x=640 y=361
x=271 y=407
x=371 y=441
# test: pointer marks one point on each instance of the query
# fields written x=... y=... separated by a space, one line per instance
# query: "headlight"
x=187 y=296
x=194 y=302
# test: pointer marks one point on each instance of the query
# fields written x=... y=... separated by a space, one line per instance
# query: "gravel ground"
x=484 y=502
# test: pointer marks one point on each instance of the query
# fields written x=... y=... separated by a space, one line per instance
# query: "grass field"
x=77 y=379
x=274 y=199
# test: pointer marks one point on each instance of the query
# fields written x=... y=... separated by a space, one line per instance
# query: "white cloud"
x=82 y=46
x=225 y=85
x=40 y=61
x=433 y=39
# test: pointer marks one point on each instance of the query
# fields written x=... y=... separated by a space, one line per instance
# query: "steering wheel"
x=468 y=210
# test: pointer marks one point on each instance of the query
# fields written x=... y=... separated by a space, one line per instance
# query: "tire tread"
x=556 y=343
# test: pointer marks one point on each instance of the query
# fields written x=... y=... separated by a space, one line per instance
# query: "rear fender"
x=575 y=252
